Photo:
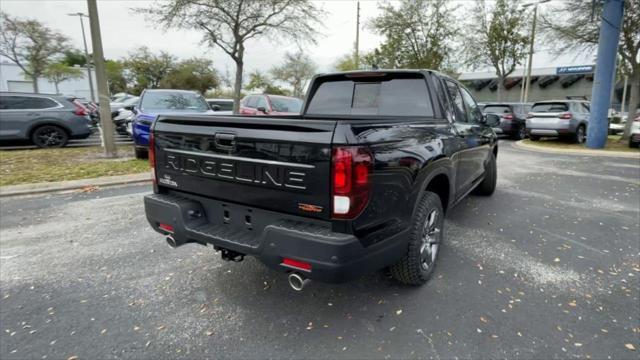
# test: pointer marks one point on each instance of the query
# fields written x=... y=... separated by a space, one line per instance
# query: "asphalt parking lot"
x=546 y=268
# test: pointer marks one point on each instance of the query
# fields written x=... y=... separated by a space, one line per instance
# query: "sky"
x=124 y=30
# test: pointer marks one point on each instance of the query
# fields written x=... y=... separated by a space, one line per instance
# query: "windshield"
x=549 y=107
x=286 y=104
x=166 y=100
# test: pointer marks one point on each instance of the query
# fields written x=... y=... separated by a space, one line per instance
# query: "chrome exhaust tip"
x=297 y=281
x=171 y=241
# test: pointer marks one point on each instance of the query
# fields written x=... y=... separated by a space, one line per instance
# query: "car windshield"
x=497 y=109
x=549 y=107
x=286 y=104
x=166 y=100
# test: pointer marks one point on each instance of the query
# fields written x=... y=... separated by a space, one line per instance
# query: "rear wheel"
x=520 y=134
x=417 y=265
x=141 y=153
x=488 y=185
x=580 y=136
x=633 y=144
x=50 y=136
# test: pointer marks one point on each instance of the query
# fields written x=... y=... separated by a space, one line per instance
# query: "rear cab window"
x=393 y=94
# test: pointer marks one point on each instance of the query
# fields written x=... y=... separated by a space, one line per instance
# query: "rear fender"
x=442 y=166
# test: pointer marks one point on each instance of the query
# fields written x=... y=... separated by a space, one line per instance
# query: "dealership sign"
x=583 y=69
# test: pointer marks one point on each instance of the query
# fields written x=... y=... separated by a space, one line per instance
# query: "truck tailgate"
x=280 y=164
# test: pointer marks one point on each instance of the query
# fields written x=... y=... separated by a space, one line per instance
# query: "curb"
x=58 y=186
x=603 y=153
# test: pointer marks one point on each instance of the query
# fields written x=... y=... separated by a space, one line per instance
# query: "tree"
x=346 y=62
x=496 y=37
x=297 y=70
x=192 y=74
x=258 y=80
x=262 y=82
x=571 y=28
x=146 y=69
x=74 y=57
x=115 y=76
x=228 y=24
x=417 y=34
x=30 y=45
x=59 y=72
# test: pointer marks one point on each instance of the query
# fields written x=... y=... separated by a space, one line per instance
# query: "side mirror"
x=492 y=120
x=131 y=108
x=215 y=107
x=262 y=109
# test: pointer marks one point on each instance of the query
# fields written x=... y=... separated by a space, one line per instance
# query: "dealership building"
x=13 y=80
x=565 y=82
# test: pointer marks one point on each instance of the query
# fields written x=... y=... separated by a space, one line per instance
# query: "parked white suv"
x=561 y=118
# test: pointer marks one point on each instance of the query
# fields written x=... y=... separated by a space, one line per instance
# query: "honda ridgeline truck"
x=360 y=181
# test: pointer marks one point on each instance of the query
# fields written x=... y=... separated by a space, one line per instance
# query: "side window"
x=474 y=114
x=41 y=103
x=456 y=97
x=261 y=103
x=6 y=102
x=251 y=102
x=16 y=102
x=585 y=107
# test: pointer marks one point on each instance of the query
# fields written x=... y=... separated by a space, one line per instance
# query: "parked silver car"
x=46 y=120
x=561 y=118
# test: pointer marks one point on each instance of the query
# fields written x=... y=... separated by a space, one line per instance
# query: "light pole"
x=103 y=89
x=86 y=53
x=531 y=41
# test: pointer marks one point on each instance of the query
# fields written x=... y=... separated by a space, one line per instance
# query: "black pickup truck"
x=359 y=182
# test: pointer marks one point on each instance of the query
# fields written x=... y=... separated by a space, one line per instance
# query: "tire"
x=50 y=136
x=488 y=184
x=416 y=266
x=141 y=153
x=634 y=144
x=520 y=134
x=580 y=137
x=534 y=137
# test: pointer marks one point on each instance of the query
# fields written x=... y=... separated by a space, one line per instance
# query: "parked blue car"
x=154 y=102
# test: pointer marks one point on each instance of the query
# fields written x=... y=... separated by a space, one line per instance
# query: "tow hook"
x=297 y=281
x=230 y=255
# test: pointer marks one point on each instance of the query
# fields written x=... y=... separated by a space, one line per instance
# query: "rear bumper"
x=544 y=132
x=271 y=236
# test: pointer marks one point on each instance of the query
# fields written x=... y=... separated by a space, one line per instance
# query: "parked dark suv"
x=45 y=120
x=513 y=118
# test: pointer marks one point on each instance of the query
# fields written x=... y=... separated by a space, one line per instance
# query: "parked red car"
x=263 y=104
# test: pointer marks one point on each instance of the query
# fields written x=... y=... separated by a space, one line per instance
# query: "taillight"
x=80 y=109
x=350 y=174
x=507 y=117
x=565 y=116
x=152 y=158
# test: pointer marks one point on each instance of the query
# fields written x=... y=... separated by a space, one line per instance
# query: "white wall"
x=11 y=79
